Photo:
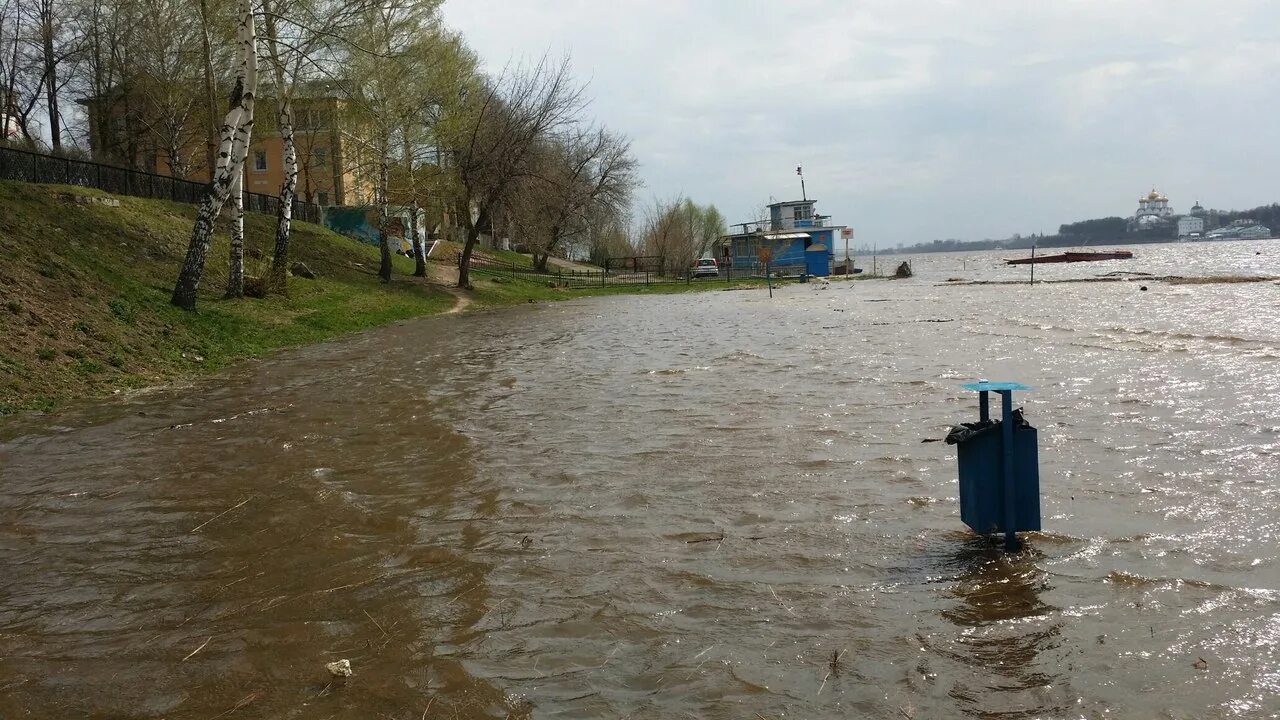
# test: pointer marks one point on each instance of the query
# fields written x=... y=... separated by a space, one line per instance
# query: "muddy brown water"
x=680 y=506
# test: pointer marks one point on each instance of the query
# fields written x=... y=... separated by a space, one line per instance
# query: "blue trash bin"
x=999 y=470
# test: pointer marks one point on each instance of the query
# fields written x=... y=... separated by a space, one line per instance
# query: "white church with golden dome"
x=1152 y=208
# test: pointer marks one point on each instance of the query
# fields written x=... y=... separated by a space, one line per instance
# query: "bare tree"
x=577 y=174
x=680 y=231
x=232 y=149
x=37 y=39
x=609 y=236
x=164 y=82
x=50 y=18
x=20 y=72
x=493 y=145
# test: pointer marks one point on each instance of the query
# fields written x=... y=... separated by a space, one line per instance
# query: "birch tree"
x=235 y=269
x=232 y=149
x=447 y=68
x=387 y=61
x=277 y=279
x=302 y=40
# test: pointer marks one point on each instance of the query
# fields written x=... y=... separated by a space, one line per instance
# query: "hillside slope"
x=84 y=295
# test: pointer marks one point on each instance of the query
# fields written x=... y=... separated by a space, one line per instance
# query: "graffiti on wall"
x=361 y=223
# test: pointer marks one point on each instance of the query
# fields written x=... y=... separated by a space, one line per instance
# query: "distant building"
x=1198 y=210
x=10 y=128
x=1153 y=209
x=1243 y=229
x=1190 y=226
x=800 y=240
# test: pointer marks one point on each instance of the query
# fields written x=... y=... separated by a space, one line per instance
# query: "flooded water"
x=713 y=505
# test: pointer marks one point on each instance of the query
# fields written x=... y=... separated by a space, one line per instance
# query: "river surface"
x=711 y=505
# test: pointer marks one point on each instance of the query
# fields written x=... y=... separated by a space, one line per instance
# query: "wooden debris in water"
x=193 y=652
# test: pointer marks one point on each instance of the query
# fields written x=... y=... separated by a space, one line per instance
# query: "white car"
x=706 y=267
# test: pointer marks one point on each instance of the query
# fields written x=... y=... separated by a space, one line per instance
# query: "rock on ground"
x=340 y=668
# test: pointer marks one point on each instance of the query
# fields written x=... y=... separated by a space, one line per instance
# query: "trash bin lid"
x=988 y=386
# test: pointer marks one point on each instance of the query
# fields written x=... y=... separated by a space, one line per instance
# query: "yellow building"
x=125 y=130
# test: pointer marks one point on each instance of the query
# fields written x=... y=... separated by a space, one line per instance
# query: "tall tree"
x=232 y=149
x=494 y=145
x=579 y=173
x=20 y=73
x=49 y=24
x=386 y=64
x=235 y=256
x=304 y=46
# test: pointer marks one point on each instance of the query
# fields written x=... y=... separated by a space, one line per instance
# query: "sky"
x=914 y=120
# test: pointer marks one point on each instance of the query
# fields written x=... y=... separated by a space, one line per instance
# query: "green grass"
x=87 y=286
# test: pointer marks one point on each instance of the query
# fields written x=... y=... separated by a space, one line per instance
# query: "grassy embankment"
x=84 y=295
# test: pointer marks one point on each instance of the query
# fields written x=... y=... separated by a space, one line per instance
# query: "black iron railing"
x=574 y=278
x=32 y=167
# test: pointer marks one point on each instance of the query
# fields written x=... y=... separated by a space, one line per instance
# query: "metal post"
x=1033 y=265
x=1006 y=412
x=984 y=407
x=646 y=278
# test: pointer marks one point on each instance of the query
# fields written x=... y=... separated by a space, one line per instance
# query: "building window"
x=312 y=118
x=322 y=198
x=319 y=158
x=260 y=160
x=798 y=213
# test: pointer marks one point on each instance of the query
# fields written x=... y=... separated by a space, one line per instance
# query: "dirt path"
x=461 y=299
x=445 y=275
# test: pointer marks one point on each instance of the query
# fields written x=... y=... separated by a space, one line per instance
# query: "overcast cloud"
x=922 y=120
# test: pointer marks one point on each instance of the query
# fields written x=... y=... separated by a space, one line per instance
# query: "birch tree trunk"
x=384 y=240
x=235 y=275
x=232 y=149
x=419 y=252
x=289 y=189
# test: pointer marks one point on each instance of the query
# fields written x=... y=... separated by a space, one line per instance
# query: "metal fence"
x=26 y=166
x=635 y=264
x=561 y=277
